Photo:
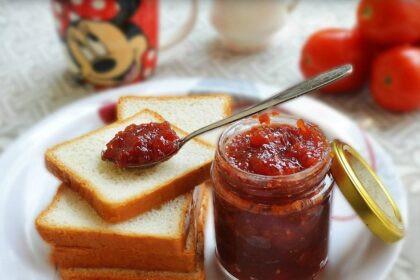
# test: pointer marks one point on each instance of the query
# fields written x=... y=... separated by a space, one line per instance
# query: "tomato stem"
x=367 y=12
x=307 y=60
x=388 y=80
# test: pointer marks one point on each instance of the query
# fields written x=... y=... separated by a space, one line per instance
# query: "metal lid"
x=366 y=193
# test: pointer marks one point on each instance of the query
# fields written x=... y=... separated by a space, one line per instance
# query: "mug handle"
x=292 y=5
x=184 y=31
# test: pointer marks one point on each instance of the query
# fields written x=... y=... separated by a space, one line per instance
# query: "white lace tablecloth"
x=34 y=83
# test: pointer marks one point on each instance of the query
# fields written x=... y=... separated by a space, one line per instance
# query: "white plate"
x=26 y=187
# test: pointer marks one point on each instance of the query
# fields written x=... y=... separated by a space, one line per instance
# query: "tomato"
x=333 y=47
x=108 y=112
x=395 y=83
x=389 y=22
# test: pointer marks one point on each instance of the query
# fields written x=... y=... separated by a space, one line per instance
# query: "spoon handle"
x=288 y=94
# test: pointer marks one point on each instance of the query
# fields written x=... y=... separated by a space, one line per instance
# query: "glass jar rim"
x=276 y=119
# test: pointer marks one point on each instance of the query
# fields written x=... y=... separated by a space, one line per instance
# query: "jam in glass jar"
x=272 y=199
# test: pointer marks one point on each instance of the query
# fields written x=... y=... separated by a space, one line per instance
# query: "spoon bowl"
x=180 y=143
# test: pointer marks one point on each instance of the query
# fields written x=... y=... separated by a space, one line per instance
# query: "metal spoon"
x=286 y=95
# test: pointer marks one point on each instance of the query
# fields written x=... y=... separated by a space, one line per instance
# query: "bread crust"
x=118 y=212
x=109 y=274
x=129 y=259
x=227 y=108
x=68 y=257
x=77 y=237
x=113 y=274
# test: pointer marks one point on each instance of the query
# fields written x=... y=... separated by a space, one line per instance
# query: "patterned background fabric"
x=34 y=82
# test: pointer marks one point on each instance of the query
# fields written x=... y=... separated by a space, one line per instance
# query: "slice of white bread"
x=68 y=257
x=186 y=112
x=119 y=194
x=169 y=260
x=70 y=221
x=127 y=274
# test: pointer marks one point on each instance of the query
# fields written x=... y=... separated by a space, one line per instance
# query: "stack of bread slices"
x=111 y=223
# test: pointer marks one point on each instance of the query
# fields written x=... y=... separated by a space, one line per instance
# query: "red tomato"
x=395 y=83
x=108 y=112
x=389 y=22
x=333 y=47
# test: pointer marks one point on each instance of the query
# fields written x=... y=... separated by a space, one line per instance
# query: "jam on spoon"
x=141 y=144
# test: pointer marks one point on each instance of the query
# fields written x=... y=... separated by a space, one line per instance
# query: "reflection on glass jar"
x=272 y=226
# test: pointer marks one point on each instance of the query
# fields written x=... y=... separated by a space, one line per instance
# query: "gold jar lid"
x=366 y=193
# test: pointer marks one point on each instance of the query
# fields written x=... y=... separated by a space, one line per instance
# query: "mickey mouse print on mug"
x=112 y=42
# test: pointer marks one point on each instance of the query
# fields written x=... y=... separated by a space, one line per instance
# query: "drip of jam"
x=264 y=118
x=277 y=149
x=141 y=144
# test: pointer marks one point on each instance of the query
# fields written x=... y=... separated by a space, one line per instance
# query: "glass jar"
x=271 y=227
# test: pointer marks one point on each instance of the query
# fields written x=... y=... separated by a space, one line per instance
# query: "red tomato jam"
x=141 y=144
x=277 y=149
x=272 y=199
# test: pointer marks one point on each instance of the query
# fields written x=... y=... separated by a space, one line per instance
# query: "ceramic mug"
x=247 y=26
x=112 y=42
